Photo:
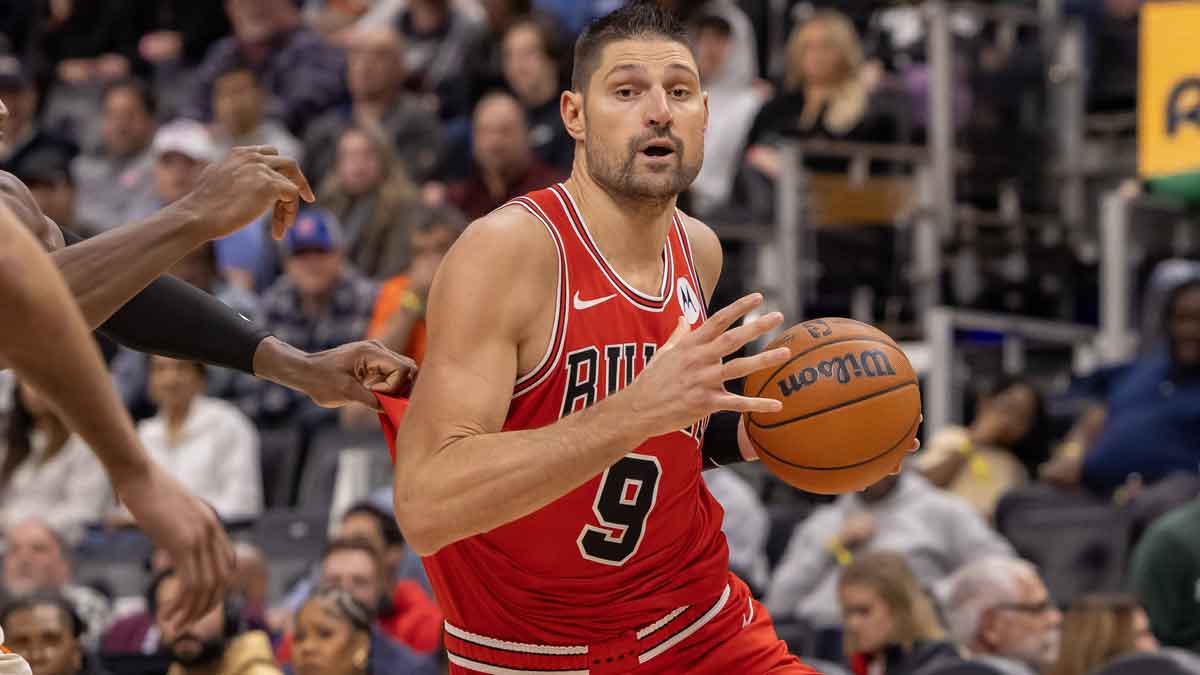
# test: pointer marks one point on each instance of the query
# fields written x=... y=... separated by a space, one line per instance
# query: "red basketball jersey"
x=632 y=544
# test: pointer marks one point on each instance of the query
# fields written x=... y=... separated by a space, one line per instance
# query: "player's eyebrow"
x=640 y=69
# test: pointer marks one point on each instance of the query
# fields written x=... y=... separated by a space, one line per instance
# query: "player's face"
x=43 y=635
x=645 y=118
x=868 y=621
x=354 y=572
x=324 y=644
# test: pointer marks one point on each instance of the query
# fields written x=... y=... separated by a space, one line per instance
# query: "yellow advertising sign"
x=1169 y=89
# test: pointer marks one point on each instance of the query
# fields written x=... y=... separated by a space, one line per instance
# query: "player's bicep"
x=479 y=302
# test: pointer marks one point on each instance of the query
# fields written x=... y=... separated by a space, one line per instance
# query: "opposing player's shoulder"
x=706 y=247
x=19 y=200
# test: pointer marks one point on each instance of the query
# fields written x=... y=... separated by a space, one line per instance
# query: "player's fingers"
x=718 y=323
x=735 y=338
x=748 y=404
x=681 y=330
x=288 y=168
x=260 y=149
x=916 y=445
x=739 y=368
x=283 y=215
x=184 y=609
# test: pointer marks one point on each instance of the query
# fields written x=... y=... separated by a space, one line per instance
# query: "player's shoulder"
x=509 y=238
x=706 y=248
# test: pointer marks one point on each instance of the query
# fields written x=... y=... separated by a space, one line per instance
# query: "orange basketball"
x=851 y=407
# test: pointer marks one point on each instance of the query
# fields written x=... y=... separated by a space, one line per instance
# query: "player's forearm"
x=477 y=483
x=104 y=272
x=49 y=346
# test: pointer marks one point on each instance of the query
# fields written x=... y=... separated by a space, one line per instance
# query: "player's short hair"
x=638 y=19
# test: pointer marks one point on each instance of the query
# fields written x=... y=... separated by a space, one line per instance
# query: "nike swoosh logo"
x=584 y=304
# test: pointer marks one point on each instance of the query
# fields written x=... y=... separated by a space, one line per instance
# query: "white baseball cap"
x=187 y=137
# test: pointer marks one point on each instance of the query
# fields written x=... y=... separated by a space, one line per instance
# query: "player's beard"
x=620 y=176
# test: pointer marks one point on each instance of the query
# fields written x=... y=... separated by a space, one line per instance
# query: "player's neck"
x=629 y=231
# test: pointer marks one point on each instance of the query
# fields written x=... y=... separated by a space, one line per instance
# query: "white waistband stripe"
x=498 y=670
x=505 y=645
x=683 y=634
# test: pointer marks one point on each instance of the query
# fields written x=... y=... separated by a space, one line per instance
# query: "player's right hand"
x=685 y=381
x=243 y=186
x=189 y=531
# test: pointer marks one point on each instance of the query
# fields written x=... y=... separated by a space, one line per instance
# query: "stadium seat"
x=115 y=562
x=1077 y=542
x=279 y=460
x=291 y=541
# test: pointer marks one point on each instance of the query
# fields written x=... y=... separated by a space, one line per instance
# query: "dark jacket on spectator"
x=898 y=661
x=302 y=75
x=780 y=119
x=472 y=197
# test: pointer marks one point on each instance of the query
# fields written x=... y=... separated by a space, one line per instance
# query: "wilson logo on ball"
x=868 y=363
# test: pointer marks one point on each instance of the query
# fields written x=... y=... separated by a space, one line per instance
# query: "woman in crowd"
x=333 y=636
x=374 y=199
x=48 y=471
x=1003 y=446
x=889 y=624
x=826 y=94
x=1099 y=628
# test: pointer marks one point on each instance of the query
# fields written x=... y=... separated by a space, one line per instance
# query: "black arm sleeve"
x=173 y=318
x=721 y=441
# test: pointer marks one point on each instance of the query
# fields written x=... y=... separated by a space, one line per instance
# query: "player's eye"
x=680 y=92
x=625 y=92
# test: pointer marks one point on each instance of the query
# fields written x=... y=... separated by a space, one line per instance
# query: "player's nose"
x=658 y=108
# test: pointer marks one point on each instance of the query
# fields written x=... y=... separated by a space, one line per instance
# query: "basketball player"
x=549 y=464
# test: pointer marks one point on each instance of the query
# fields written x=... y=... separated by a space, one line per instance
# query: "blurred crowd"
x=410 y=119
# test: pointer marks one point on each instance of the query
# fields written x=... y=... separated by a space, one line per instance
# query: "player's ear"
x=571 y=107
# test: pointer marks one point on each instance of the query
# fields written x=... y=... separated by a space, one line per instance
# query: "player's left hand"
x=339 y=376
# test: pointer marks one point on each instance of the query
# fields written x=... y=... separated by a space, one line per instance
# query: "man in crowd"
x=505 y=165
x=375 y=73
x=999 y=611
x=300 y=72
x=115 y=180
x=37 y=561
x=46 y=630
x=217 y=643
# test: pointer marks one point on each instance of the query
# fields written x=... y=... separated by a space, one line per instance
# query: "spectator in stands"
x=334 y=637
x=48 y=632
x=320 y=302
x=373 y=521
x=1165 y=575
x=375 y=72
x=238 y=119
x=437 y=39
x=85 y=42
x=998 y=610
x=206 y=443
x=373 y=198
x=1099 y=628
x=533 y=54
x=826 y=94
x=485 y=64
x=48 y=471
x=746 y=525
x=181 y=150
x=36 y=561
x=398 y=320
x=405 y=612
x=1146 y=428
x=302 y=75
x=115 y=181
x=181 y=31
x=889 y=622
x=22 y=136
x=937 y=533
x=1008 y=439
x=216 y=644
x=737 y=102
x=505 y=166
x=131 y=369
x=48 y=177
